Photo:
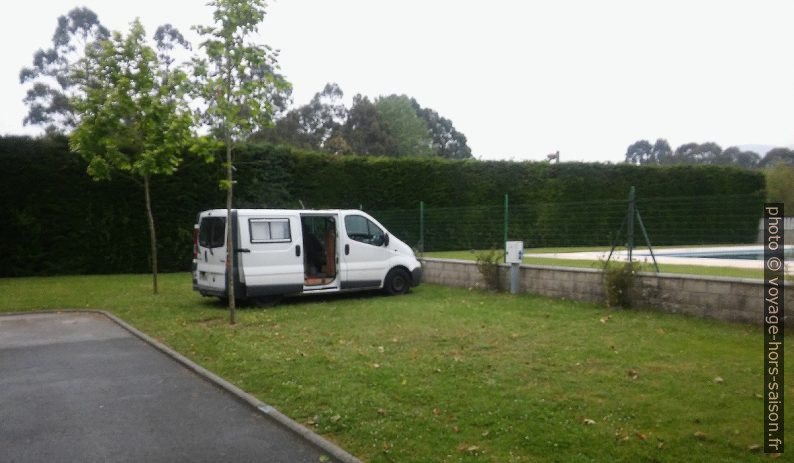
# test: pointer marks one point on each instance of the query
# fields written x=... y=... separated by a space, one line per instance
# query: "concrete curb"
x=334 y=451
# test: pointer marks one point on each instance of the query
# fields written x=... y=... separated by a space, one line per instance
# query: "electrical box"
x=514 y=252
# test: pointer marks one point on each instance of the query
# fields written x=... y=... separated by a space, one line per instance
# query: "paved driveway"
x=78 y=387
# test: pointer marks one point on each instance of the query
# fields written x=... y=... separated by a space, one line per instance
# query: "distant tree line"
x=393 y=125
x=642 y=152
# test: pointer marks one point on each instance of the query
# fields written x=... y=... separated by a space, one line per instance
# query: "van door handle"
x=347 y=249
x=242 y=250
x=298 y=250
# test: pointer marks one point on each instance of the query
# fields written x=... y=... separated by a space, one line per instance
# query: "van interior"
x=319 y=242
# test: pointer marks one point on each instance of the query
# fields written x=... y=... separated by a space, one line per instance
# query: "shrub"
x=618 y=283
x=488 y=265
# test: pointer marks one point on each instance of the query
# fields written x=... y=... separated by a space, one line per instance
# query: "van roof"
x=222 y=212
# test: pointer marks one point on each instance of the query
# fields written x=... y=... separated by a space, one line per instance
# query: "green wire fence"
x=716 y=219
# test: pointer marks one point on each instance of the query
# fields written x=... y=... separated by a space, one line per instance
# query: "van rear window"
x=212 y=232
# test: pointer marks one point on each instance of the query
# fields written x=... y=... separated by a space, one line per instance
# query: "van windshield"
x=212 y=232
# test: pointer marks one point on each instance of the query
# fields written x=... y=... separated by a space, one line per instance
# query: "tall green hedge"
x=57 y=220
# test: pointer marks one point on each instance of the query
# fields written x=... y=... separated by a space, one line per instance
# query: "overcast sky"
x=520 y=79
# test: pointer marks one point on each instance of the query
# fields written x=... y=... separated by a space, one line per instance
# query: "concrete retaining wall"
x=721 y=298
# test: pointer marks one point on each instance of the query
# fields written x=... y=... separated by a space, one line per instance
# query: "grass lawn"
x=584 y=263
x=446 y=374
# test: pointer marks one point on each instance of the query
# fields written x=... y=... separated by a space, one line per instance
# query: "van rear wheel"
x=397 y=282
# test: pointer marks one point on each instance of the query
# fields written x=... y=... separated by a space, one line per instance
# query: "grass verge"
x=447 y=374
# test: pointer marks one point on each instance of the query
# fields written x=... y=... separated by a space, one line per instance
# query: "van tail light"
x=195 y=241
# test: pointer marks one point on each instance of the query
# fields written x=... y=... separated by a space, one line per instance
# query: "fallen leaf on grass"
x=335 y=418
x=588 y=421
x=632 y=373
x=381 y=412
x=621 y=436
x=375 y=365
x=605 y=319
x=719 y=380
x=436 y=412
x=463 y=447
x=754 y=448
x=641 y=436
x=699 y=435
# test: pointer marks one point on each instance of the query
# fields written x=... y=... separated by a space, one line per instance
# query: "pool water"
x=735 y=254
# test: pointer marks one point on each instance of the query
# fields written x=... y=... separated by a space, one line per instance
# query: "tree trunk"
x=152 y=236
x=229 y=240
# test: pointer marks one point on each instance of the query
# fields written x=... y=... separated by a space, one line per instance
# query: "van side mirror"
x=385 y=239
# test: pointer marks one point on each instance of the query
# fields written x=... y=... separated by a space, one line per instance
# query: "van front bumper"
x=416 y=276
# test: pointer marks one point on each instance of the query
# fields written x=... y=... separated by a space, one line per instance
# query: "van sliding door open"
x=321 y=258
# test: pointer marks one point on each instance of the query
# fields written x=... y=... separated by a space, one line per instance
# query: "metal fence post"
x=421 y=228
x=630 y=224
x=507 y=223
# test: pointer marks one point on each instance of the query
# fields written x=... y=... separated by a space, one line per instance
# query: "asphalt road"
x=77 y=387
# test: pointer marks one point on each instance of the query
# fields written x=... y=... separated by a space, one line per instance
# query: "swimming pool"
x=736 y=256
x=743 y=253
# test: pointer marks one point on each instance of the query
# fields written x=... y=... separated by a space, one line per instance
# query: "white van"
x=282 y=252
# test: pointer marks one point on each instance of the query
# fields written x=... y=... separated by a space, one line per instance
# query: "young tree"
x=241 y=88
x=133 y=116
x=49 y=97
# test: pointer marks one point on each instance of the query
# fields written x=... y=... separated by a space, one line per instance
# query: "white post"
x=514 y=253
x=514 y=272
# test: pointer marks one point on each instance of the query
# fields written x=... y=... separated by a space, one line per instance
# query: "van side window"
x=269 y=230
x=361 y=229
x=212 y=232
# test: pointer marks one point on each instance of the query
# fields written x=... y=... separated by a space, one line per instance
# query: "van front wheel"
x=397 y=282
